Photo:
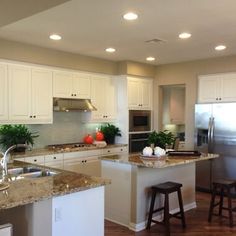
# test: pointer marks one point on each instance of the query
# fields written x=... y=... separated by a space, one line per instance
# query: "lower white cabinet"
x=55 y=161
x=84 y=162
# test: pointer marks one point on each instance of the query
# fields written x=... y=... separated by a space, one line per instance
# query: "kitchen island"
x=128 y=197
x=62 y=204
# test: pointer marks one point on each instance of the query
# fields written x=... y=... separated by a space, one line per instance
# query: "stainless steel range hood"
x=67 y=104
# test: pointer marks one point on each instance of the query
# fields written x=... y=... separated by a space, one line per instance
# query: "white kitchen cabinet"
x=217 y=88
x=174 y=105
x=30 y=95
x=71 y=85
x=39 y=160
x=104 y=98
x=54 y=160
x=140 y=94
x=115 y=150
x=85 y=162
x=3 y=93
x=19 y=93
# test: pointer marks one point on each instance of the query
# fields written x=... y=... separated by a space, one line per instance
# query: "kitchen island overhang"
x=128 y=197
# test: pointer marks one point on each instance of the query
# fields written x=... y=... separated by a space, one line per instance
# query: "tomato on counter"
x=88 y=139
x=99 y=136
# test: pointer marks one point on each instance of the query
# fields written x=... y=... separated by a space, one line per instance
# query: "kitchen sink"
x=29 y=172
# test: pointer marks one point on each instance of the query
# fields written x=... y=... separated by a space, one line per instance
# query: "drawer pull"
x=54 y=158
x=35 y=160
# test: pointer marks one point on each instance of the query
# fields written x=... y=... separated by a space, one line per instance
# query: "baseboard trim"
x=141 y=226
x=117 y=222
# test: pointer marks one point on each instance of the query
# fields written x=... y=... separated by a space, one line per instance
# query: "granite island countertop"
x=164 y=162
x=28 y=190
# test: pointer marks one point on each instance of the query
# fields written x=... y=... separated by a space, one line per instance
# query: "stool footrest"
x=158 y=209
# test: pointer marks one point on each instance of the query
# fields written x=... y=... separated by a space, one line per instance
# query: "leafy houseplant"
x=161 y=139
x=110 y=131
x=16 y=134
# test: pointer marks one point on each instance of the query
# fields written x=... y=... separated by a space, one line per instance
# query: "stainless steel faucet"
x=4 y=160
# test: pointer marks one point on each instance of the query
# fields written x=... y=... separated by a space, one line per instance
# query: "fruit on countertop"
x=88 y=139
x=147 y=151
x=99 y=136
x=159 y=151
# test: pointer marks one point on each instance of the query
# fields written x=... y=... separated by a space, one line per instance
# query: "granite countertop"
x=29 y=190
x=164 y=162
x=46 y=151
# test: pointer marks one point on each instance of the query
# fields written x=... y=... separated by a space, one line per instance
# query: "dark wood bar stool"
x=166 y=188
x=223 y=188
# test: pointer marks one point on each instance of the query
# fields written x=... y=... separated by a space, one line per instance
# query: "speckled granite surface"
x=29 y=190
x=135 y=159
x=45 y=151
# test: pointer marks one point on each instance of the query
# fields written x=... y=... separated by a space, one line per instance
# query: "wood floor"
x=196 y=219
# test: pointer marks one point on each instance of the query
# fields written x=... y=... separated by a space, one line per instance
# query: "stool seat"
x=223 y=188
x=166 y=188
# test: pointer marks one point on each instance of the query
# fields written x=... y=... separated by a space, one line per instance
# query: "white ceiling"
x=90 y=26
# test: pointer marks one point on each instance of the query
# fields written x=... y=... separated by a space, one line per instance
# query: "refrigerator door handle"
x=209 y=134
x=212 y=132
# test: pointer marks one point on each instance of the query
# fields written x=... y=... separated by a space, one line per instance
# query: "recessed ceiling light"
x=185 y=35
x=130 y=16
x=150 y=59
x=55 y=37
x=220 y=47
x=110 y=49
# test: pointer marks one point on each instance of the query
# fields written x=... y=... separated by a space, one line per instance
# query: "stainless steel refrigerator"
x=215 y=132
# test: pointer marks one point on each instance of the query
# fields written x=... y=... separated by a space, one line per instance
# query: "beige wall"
x=11 y=50
x=187 y=73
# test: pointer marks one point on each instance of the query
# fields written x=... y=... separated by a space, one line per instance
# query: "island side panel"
x=118 y=193
x=143 y=178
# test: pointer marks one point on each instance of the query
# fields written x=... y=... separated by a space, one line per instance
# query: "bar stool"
x=222 y=188
x=166 y=188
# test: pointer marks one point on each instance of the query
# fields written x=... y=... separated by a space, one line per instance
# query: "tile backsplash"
x=66 y=128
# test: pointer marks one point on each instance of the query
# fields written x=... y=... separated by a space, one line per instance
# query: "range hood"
x=67 y=104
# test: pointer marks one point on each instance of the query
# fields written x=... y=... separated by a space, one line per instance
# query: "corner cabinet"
x=217 y=88
x=30 y=95
x=3 y=93
x=140 y=94
x=104 y=98
x=71 y=85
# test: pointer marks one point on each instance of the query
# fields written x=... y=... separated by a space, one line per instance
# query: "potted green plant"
x=16 y=134
x=110 y=132
x=161 y=139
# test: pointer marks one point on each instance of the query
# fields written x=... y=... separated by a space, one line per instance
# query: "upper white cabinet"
x=3 y=92
x=217 y=88
x=71 y=85
x=30 y=95
x=140 y=94
x=104 y=98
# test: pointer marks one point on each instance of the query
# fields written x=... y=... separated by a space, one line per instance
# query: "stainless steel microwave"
x=139 y=120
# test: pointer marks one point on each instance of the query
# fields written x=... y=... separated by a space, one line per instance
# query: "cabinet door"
x=3 y=93
x=73 y=165
x=228 y=85
x=42 y=96
x=208 y=88
x=62 y=84
x=19 y=93
x=98 y=95
x=81 y=86
x=134 y=101
x=146 y=94
x=110 y=100
x=91 y=167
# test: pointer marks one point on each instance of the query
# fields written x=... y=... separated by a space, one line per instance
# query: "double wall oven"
x=140 y=123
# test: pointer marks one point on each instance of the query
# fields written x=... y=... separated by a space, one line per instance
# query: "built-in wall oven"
x=139 y=121
x=139 y=129
x=137 y=142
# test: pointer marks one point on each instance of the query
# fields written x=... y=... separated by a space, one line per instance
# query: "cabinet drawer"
x=115 y=150
x=82 y=154
x=36 y=159
x=54 y=157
